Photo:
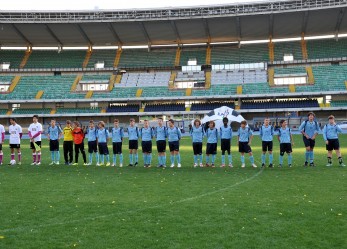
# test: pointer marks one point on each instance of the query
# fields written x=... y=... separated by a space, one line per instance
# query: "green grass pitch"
x=110 y=207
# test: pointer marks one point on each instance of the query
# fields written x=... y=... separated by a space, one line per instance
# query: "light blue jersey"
x=133 y=133
x=91 y=134
x=146 y=134
x=331 y=131
x=226 y=132
x=212 y=135
x=160 y=133
x=244 y=134
x=102 y=135
x=54 y=132
x=117 y=134
x=285 y=135
x=310 y=128
x=197 y=134
x=174 y=134
x=266 y=133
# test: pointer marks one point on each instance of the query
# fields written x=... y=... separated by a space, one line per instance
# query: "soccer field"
x=110 y=207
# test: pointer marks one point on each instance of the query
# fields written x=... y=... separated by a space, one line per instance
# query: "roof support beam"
x=175 y=30
x=339 y=21
x=85 y=36
x=238 y=28
x=50 y=31
x=207 y=31
x=271 y=25
x=304 y=22
x=115 y=34
x=145 y=33
x=22 y=35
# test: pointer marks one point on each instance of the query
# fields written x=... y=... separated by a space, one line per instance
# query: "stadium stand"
x=144 y=79
x=327 y=48
x=279 y=104
x=100 y=55
x=250 y=53
x=290 y=70
x=55 y=59
x=282 y=48
x=133 y=58
x=210 y=106
x=165 y=108
x=78 y=110
x=338 y=103
x=13 y=56
x=262 y=88
x=229 y=89
x=238 y=76
x=3 y=111
x=32 y=111
x=161 y=92
x=95 y=78
x=123 y=108
x=198 y=53
x=117 y=92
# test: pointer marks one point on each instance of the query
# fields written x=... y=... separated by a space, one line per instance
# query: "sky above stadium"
x=106 y=4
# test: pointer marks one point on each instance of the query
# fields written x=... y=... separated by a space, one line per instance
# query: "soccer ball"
x=13 y=162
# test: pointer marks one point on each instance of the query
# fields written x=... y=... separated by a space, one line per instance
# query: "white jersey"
x=15 y=131
x=34 y=129
x=2 y=130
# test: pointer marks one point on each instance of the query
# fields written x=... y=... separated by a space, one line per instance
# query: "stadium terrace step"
x=117 y=59
x=139 y=93
x=39 y=94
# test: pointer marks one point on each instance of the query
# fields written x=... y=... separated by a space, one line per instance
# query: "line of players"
x=98 y=137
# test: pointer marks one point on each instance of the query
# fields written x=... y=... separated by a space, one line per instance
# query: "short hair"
x=52 y=119
x=146 y=120
x=91 y=121
x=225 y=119
x=76 y=123
x=282 y=121
x=213 y=123
x=160 y=118
x=197 y=120
x=311 y=113
x=244 y=122
x=102 y=123
x=68 y=121
x=116 y=120
x=267 y=118
x=36 y=116
x=132 y=120
x=13 y=119
x=171 y=120
x=331 y=117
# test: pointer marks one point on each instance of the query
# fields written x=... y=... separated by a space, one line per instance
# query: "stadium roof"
x=205 y=24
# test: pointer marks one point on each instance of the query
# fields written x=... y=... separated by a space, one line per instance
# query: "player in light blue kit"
x=103 y=135
x=160 y=133
x=309 y=129
x=117 y=134
x=226 y=135
x=174 y=137
x=211 y=146
x=244 y=140
x=330 y=134
x=197 y=134
x=92 y=143
x=54 y=133
x=146 y=135
x=286 y=141
x=133 y=132
x=266 y=135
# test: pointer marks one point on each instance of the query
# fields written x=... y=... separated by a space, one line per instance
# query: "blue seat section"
x=165 y=108
x=123 y=108
x=279 y=104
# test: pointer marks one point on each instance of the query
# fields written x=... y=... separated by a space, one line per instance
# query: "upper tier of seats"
x=145 y=79
x=198 y=53
x=15 y=57
x=238 y=76
x=100 y=55
x=338 y=103
x=282 y=48
x=55 y=59
x=328 y=48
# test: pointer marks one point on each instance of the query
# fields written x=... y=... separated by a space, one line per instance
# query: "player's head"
x=101 y=124
x=116 y=122
x=146 y=123
x=35 y=118
x=132 y=122
x=197 y=122
x=12 y=121
x=243 y=123
x=76 y=124
x=266 y=121
x=225 y=121
x=91 y=124
x=171 y=123
x=68 y=123
x=283 y=123
x=311 y=116
x=160 y=121
x=53 y=122
x=211 y=124
x=331 y=119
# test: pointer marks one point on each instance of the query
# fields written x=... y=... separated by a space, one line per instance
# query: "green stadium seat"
x=15 y=57
x=193 y=53
x=107 y=56
x=53 y=59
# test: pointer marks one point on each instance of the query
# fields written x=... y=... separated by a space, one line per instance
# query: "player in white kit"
x=16 y=133
x=2 y=138
x=35 y=130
